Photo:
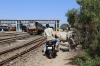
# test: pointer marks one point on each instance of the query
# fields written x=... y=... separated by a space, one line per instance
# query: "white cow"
x=66 y=37
x=62 y=36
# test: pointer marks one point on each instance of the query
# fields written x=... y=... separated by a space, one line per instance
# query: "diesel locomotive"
x=34 y=28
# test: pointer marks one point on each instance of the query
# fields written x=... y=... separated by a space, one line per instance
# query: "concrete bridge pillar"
x=18 y=25
x=57 y=27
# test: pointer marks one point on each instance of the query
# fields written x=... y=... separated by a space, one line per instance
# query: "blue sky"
x=36 y=9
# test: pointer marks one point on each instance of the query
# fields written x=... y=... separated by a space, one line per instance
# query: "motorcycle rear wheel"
x=50 y=55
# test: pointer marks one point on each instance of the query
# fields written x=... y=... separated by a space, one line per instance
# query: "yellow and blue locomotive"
x=34 y=28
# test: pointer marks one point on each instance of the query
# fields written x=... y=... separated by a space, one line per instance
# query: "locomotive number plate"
x=49 y=47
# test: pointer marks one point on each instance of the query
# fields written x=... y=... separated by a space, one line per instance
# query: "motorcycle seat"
x=50 y=41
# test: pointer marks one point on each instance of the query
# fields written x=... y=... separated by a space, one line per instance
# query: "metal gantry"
x=17 y=22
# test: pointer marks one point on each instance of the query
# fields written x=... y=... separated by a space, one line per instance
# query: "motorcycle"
x=50 y=50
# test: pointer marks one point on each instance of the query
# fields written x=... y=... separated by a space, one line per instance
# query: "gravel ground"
x=6 y=46
x=36 y=58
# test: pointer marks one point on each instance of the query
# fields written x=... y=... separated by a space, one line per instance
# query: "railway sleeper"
x=20 y=54
x=20 y=38
x=7 y=41
x=29 y=43
x=23 y=37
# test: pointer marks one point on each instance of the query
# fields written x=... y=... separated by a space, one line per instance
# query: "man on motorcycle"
x=49 y=34
x=55 y=38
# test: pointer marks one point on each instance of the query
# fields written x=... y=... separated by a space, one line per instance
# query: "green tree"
x=72 y=15
x=89 y=18
x=88 y=24
x=64 y=26
x=89 y=12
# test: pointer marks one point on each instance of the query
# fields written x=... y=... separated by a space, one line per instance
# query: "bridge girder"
x=25 y=21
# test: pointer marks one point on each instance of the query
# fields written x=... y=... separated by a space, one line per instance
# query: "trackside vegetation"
x=86 y=20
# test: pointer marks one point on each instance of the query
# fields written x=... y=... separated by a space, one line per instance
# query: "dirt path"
x=64 y=58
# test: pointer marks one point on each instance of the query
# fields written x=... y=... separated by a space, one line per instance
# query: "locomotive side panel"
x=40 y=28
x=35 y=28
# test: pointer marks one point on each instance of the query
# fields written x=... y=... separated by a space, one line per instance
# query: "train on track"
x=35 y=28
x=5 y=28
x=31 y=28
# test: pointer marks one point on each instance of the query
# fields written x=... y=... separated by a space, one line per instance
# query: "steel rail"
x=18 y=47
x=20 y=54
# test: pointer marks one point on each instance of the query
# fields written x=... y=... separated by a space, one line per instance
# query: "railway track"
x=13 y=38
x=13 y=53
x=11 y=33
